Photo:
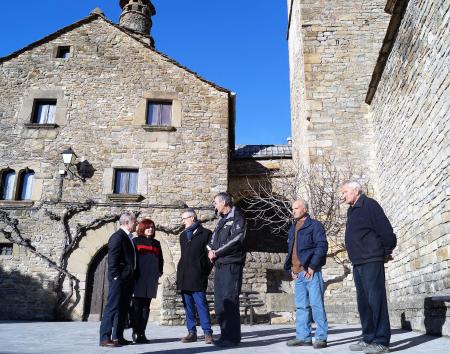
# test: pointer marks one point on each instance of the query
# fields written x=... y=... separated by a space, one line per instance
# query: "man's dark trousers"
x=114 y=313
x=372 y=302
x=227 y=287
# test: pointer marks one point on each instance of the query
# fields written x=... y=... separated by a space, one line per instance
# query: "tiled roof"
x=262 y=151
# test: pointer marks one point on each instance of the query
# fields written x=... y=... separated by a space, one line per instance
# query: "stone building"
x=149 y=134
x=154 y=137
x=386 y=112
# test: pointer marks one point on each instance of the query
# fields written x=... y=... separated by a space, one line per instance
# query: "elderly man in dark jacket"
x=192 y=275
x=370 y=240
x=121 y=267
x=307 y=252
x=228 y=254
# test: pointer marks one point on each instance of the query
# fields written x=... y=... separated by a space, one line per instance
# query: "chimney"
x=136 y=15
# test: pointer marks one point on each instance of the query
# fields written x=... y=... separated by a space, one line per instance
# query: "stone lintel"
x=159 y=128
x=41 y=126
x=16 y=203
x=125 y=198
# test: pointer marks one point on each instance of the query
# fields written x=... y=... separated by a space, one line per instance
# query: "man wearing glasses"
x=192 y=275
x=226 y=250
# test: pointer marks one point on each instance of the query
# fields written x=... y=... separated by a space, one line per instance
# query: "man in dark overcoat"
x=121 y=266
x=370 y=240
x=192 y=275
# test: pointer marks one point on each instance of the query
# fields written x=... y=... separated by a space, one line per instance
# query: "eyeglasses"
x=187 y=217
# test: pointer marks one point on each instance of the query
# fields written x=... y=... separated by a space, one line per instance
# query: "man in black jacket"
x=228 y=254
x=121 y=266
x=192 y=275
x=370 y=240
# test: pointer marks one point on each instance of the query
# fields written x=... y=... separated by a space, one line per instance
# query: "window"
x=159 y=113
x=44 y=112
x=6 y=249
x=125 y=181
x=63 y=52
x=26 y=184
x=7 y=185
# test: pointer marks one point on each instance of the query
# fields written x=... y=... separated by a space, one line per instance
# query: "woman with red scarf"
x=149 y=267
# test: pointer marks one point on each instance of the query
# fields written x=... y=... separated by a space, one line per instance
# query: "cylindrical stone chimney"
x=136 y=15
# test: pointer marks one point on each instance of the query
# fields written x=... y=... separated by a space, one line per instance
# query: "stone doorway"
x=97 y=286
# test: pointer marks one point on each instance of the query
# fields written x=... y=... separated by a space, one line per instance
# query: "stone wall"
x=411 y=112
x=300 y=116
x=333 y=47
x=101 y=92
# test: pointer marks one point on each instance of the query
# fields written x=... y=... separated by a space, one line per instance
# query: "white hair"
x=190 y=212
x=304 y=202
x=355 y=185
x=126 y=217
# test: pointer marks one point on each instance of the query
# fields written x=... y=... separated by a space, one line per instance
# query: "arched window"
x=25 y=184
x=7 y=184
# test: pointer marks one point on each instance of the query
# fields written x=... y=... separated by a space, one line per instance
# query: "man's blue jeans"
x=195 y=301
x=309 y=292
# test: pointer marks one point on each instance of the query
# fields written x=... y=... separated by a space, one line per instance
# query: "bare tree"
x=268 y=202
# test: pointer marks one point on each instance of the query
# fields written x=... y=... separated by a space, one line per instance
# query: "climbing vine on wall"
x=73 y=234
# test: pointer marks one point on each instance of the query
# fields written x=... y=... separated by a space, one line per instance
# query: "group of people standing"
x=369 y=239
x=135 y=265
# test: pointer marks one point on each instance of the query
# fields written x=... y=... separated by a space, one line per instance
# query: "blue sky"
x=238 y=44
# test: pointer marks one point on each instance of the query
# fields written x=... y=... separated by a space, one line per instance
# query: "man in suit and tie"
x=121 y=266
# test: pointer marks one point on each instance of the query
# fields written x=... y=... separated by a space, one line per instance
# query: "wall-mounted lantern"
x=69 y=158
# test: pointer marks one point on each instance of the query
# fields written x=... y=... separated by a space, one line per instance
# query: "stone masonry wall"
x=299 y=104
x=333 y=47
x=102 y=91
x=411 y=112
x=340 y=41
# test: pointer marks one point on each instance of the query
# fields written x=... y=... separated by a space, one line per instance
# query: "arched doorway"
x=97 y=286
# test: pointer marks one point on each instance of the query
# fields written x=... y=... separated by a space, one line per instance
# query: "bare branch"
x=268 y=202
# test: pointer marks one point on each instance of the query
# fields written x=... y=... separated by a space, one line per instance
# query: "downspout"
x=231 y=129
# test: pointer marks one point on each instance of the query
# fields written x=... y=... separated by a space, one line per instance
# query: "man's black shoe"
x=122 y=341
x=142 y=340
x=224 y=343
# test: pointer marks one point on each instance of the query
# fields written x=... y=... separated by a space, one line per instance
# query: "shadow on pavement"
x=269 y=332
x=353 y=339
x=342 y=341
x=410 y=342
x=163 y=340
x=212 y=348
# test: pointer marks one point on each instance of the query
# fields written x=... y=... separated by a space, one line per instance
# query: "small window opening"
x=44 y=112
x=6 y=249
x=63 y=52
x=125 y=181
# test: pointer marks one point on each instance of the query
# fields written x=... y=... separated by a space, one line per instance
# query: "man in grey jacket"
x=226 y=250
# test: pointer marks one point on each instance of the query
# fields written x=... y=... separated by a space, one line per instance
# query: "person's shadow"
x=435 y=312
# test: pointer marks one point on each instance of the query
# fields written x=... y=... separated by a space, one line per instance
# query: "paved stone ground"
x=82 y=338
